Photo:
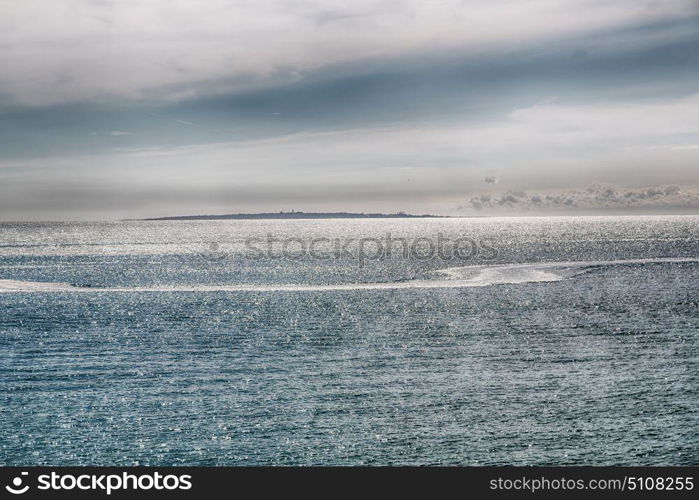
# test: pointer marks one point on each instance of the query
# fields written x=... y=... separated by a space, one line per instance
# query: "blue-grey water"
x=548 y=341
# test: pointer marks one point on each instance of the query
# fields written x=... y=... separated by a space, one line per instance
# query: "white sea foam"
x=33 y=286
x=454 y=277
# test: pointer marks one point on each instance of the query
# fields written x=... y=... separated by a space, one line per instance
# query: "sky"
x=128 y=109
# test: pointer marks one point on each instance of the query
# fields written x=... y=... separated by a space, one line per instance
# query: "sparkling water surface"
x=557 y=341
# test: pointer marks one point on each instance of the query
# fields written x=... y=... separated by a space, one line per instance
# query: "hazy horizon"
x=113 y=110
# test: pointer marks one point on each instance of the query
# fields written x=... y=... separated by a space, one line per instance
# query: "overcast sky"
x=114 y=109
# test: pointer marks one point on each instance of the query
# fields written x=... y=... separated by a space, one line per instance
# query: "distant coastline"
x=299 y=215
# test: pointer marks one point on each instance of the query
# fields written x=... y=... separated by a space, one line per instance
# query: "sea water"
x=474 y=341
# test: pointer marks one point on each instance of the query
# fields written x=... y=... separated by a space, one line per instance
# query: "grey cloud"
x=595 y=197
x=349 y=101
x=426 y=87
x=140 y=51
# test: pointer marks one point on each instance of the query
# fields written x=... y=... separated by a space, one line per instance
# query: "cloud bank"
x=127 y=109
x=597 y=197
x=76 y=50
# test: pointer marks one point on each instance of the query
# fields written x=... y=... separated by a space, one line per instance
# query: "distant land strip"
x=298 y=215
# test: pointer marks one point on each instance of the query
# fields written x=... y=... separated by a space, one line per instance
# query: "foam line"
x=454 y=277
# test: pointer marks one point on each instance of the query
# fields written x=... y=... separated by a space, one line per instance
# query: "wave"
x=453 y=277
x=33 y=286
x=547 y=271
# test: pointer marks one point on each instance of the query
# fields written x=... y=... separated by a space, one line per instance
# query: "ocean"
x=447 y=341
